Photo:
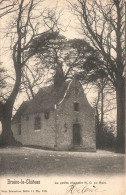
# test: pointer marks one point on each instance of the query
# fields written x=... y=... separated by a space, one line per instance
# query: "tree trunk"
x=102 y=106
x=120 y=95
x=6 y=138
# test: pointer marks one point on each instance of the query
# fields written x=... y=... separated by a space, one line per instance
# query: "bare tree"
x=102 y=24
x=33 y=77
x=8 y=6
x=25 y=31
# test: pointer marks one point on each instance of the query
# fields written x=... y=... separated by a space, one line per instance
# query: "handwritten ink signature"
x=77 y=188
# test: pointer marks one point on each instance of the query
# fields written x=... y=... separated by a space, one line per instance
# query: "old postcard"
x=62 y=97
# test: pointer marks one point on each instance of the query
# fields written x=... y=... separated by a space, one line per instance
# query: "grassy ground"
x=24 y=161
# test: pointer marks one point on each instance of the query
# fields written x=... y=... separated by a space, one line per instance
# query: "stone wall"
x=43 y=137
x=67 y=117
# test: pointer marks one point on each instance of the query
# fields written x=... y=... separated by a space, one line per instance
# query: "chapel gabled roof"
x=44 y=100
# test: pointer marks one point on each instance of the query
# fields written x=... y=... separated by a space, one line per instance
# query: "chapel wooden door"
x=76 y=134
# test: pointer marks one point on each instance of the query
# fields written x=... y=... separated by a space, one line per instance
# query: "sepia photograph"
x=62 y=97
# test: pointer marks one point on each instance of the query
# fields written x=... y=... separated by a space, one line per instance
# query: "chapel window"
x=37 y=123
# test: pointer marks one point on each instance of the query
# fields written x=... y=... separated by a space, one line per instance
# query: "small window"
x=19 y=129
x=76 y=106
x=37 y=123
x=46 y=114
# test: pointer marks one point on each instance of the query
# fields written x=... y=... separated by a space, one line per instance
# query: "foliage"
x=75 y=55
x=105 y=138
